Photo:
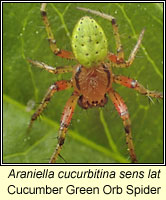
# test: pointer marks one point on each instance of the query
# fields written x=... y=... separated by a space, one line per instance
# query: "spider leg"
x=65 y=121
x=54 y=70
x=123 y=112
x=131 y=83
x=58 y=86
x=52 y=41
x=118 y=60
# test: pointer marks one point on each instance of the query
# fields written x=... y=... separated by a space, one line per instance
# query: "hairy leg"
x=118 y=60
x=123 y=112
x=52 y=41
x=65 y=121
x=131 y=83
x=58 y=86
x=54 y=70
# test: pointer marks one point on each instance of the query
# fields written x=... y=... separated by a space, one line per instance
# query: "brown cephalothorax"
x=92 y=84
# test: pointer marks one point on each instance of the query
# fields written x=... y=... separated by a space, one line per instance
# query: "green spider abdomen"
x=89 y=42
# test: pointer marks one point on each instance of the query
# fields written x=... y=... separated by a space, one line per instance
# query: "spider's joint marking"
x=43 y=13
x=113 y=21
x=57 y=51
x=53 y=87
x=133 y=83
x=61 y=141
x=57 y=147
x=63 y=125
x=120 y=49
x=53 y=41
x=124 y=113
x=78 y=68
x=47 y=99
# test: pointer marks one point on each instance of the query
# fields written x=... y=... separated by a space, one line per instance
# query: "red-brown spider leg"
x=65 y=121
x=120 y=53
x=54 y=70
x=123 y=112
x=52 y=41
x=131 y=83
x=119 y=62
x=58 y=86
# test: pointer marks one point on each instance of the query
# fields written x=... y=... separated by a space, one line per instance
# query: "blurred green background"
x=95 y=135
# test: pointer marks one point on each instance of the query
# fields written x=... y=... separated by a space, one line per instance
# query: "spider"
x=92 y=76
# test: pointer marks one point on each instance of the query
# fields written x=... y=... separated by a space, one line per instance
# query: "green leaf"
x=96 y=135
